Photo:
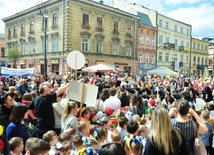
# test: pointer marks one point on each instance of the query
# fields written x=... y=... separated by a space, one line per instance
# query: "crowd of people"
x=142 y=115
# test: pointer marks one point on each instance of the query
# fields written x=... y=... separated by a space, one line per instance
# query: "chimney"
x=101 y=1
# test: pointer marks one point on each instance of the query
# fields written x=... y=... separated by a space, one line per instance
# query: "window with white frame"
x=9 y=32
x=176 y=42
x=85 y=44
x=147 y=41
x=202 y=61
x=115 y=26
x=128 y=28
x=205 y=61
x=167 y=39
x=160 y=39
x=55 y=19
x=141 y=58
x=15 y=33
x=99 y=45
x=99 y=22
x=187 y=32
x=85 y=19
x=160 y=23
x=23 y=48
x=31 y=26
x=187 y=59
x=153 y=41
x=115 y=48
x=167 y=25
x=160 y=56
x=128 y=50
x=43 y=44
x=187 y=44
x=152 y=58
x=175 y=28
x=141 y=39
x=22 y=29
x=55 y=43
x=175 y=57
x=193 y=45
x=182 y=58
x=167 y=57
x=202 y=47
x=205 y=47
x=31 y=46
x=147 y=58
x=182 y=43
x=198 y=46
x=181 y=30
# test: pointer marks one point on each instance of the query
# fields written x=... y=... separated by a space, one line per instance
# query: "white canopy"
x=162 y=71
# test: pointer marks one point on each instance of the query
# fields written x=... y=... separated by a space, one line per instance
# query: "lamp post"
x=41 y=6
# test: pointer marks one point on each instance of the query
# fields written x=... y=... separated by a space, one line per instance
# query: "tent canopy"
x=162 y=71
x=102 y=67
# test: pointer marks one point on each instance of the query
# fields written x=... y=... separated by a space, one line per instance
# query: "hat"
x=152 y=102
x=92 y=114
x=100 y=114
x=1 y=144
x=109 y=111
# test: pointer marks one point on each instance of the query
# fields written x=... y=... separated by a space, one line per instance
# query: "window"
x=202 y=61
x=202 y=47
x=167 y=25
x=182 y=43
x=187 y=44
x=175 y=57
x=167 y=57
x=194 y=45
x=31 y=47
x=198 y=47
x=160 y=56
x=187 y=31
x=140 y=58
x=115 y=49
x=181 y=30
x=2 y=52
x=210 y=62
x=31 y=26
x=9 y=32
x=205 y=61
x=99 y=45
x=55 y=43
x=182 y=58
x=147 y=58
x=23 y=48
x=175 y=28
x=205 y=47
x=187 y=59
x=152 y=59
x=194 y=59
x=167 y=39
x=15 y=31
x=55 y=19
x=43 y=44
x=128 y=51
x=85 y=20
x=99 y=22
x=128 y=29
x=115 y=26
x=22 y=29
x=153 y=41
x=85 y=44
x=160 y=23
x=198 y=60
x=160 y=39
x=141 y=40
x=147 y=41
x=176 y=42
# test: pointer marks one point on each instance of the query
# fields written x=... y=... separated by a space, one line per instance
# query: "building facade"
x=100 y=32
x=2 y=51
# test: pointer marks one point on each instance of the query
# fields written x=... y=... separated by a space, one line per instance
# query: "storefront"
x=55 y=66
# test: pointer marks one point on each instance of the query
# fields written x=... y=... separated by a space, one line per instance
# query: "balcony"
x=169 y=46
x=86 y=26
x=184 y=48
x=116 y=33
x=128 y=35
x=99 y=29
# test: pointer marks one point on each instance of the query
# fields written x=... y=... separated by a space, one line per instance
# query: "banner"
x=6 y=72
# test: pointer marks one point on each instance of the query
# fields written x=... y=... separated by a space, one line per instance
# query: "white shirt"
x=112 y=102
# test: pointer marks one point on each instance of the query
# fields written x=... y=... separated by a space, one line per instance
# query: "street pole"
x=45 y=50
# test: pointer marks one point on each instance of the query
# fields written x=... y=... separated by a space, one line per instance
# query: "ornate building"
x=100 y=32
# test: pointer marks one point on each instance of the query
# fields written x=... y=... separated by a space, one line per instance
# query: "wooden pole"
x=76 y=66
x=82 y=98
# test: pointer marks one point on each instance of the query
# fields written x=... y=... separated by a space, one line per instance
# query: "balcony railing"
x=169 y=46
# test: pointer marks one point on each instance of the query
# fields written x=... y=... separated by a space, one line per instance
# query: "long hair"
x=18 y=113
x=160 y=134
x=67 y=109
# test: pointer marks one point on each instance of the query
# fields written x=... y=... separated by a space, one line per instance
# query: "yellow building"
x=199 y=57
x=100 y=32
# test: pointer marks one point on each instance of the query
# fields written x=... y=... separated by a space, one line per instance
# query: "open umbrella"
x=162 y=71
x=102 y=67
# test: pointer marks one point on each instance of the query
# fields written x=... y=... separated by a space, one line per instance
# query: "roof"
x=145 y=20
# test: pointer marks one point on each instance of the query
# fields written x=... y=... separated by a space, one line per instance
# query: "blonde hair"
x=12 y=88
x=67 y=109
x=115 y=136
x=161 y=129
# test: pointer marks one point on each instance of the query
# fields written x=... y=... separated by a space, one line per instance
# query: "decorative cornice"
x=54 y=33
x=99 y=35
x=85 y=33
x=128 y=41
x=116 y=18
x=85 y=10
x=115 y=39
x=54 y=9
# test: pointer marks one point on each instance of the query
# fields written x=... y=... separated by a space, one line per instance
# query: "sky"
x=198 y=13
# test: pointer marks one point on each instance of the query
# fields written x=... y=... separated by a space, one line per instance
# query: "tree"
x=14 y=55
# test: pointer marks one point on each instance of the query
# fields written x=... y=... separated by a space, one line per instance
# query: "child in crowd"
x=113 y=123
x=95 y=146
x=51 y=138
x=205 y=115
x=85 y=114
x=122 y=123
x=39 y=147
x=134 y=147
x=66 y=148
x=102 y=135
x=79 y=145
x=16 y=146
x=142 y=134
x=116 y=137
x=136 y=118
x=84 y=129
x=28 y=144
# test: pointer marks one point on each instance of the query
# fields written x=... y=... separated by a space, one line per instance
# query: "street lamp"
x=41 y=6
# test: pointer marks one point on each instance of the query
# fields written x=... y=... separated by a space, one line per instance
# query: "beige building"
x=100 y=32
x=199 y=57
x=2 y=50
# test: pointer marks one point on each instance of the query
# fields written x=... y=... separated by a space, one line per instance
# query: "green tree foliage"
x=14 y=55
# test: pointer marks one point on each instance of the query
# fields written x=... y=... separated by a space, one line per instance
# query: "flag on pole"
x=115 y=69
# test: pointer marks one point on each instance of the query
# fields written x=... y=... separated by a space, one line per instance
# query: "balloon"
x=1 y=130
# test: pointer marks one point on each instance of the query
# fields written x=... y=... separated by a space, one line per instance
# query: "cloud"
x=175 y=2
x=199 y=17
x=10 y=7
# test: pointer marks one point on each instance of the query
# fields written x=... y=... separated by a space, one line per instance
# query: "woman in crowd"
x=18 y=127
x=164 y=138
x=138 y=106
x=186 y=123
x=69 y=118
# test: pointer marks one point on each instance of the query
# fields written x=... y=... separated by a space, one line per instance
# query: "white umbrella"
x=102 y=67
x=162 y=71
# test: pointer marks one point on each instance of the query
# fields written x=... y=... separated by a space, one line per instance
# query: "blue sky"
x=198 y=13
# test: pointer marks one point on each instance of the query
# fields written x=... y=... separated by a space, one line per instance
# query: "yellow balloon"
x=1 y=130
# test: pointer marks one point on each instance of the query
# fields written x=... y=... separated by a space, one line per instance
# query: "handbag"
x=199 y=148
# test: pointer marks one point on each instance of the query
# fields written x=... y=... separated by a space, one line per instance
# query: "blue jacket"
x=205 y=137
